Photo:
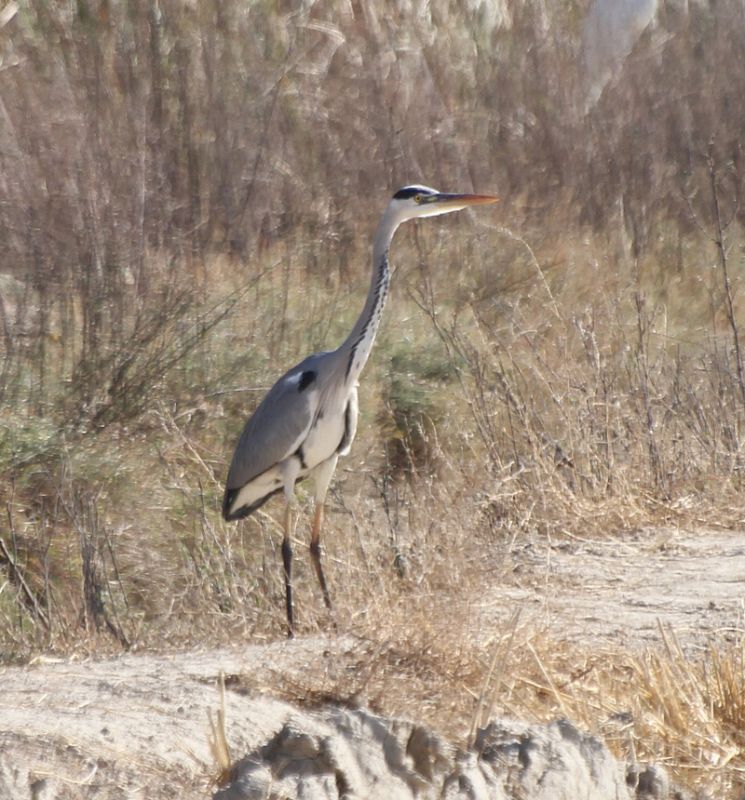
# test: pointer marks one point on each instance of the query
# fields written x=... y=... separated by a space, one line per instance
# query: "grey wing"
x=279 y=425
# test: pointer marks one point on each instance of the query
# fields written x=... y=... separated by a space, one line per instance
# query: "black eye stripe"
x=411 y=191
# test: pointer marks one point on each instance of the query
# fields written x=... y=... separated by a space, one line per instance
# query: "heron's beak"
x=448 y=201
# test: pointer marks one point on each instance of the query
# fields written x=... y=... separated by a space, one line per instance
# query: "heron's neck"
x=357 y=346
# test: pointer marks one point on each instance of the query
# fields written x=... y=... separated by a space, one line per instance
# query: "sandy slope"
x=137 y=725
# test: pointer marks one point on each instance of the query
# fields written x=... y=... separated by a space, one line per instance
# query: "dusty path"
x=619 y=590
x=137 y=726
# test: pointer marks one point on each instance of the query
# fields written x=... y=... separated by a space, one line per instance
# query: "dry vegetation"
x=187 y=194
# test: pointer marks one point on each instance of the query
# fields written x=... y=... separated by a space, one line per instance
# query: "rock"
x=549 y=762
x=333 y=753
x=342 y=753
x=649 y=782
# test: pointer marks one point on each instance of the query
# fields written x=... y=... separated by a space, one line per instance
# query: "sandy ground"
x=619 y=591
x=136 y=726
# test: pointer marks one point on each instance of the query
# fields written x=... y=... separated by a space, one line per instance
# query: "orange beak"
x=448 y=200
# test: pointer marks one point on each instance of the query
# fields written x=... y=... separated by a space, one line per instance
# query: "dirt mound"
x=337 y=752
x=137 y=727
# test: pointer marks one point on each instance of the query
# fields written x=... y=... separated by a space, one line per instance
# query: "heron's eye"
x=418 y=198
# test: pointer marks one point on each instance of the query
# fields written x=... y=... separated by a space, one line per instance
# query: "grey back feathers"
x=279 y=424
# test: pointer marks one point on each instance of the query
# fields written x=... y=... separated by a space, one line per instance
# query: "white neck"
x=357 y=346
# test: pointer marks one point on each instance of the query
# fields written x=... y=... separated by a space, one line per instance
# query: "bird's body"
x=309 y=417
x=318 y=420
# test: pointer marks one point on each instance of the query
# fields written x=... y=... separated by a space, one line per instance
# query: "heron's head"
x=412 y=202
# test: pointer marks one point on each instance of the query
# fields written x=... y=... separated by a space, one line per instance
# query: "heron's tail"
x=230 y=513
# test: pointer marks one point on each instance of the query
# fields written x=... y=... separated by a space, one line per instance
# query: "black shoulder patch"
x=306 y=379
x=408 y=192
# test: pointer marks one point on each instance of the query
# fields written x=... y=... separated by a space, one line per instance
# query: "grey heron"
x=309 y=417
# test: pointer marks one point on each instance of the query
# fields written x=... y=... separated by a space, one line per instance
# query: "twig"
x=16 y=574
x=500 y=654
x=719 y=241
x=218 y=740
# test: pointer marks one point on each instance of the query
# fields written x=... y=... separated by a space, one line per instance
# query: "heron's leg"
x=315 y=552
x=290 y=471
x=322 y=477
x=287 y=561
